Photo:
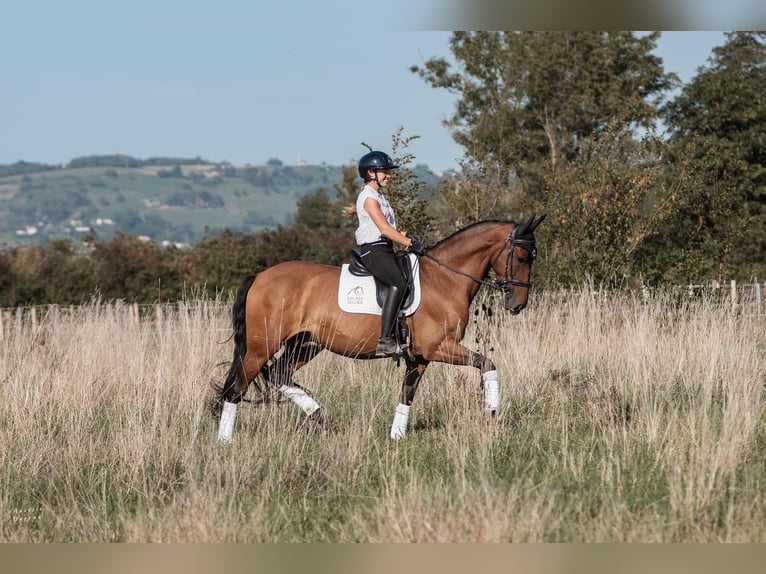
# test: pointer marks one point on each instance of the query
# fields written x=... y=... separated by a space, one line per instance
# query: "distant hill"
x=172 y=200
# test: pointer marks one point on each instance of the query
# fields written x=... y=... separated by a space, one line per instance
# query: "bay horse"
x=283 y=317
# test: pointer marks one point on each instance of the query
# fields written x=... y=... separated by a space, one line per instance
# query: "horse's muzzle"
x=512 y=303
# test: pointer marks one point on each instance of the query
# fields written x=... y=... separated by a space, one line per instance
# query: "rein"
x=493 y=284
x=500 y=285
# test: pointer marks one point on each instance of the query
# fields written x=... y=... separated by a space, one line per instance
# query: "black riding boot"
x=387 y=346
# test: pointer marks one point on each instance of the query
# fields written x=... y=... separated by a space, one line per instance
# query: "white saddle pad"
x=357 y=294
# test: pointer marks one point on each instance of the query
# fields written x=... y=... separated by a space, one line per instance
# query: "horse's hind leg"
x=415 y=369
x=297 y=351
x=245 y=366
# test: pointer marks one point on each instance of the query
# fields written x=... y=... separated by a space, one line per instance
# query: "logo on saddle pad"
x=355 y=295
x=359 y=294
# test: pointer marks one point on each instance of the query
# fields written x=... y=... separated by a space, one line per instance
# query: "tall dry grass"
x=622 y=420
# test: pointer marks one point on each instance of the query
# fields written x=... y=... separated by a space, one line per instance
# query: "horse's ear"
x=533 y=224
x=522 y=228
x=528 y=227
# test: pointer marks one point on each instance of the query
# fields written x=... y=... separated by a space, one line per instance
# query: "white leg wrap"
x=226 y=426
x=401 y=417
x=300 y=398
x=491 y=391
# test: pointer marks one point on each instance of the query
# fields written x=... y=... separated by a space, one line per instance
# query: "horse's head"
x=514 y=264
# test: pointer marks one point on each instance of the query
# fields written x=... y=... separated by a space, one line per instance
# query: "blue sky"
x=229 y=81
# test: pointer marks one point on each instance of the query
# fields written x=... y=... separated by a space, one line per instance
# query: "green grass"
x=621 y=420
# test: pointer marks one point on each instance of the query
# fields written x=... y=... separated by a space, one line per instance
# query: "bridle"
x=500 y=284
x=529 y=246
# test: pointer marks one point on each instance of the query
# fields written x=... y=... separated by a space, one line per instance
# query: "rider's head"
x=373 y=162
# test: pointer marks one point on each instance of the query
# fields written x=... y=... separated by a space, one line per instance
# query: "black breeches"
x=379 y=259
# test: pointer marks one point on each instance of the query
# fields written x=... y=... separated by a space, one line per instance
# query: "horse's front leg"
x=454 y=353
x=415 y=369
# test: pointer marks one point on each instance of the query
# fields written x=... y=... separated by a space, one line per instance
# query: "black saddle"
x=358 y=268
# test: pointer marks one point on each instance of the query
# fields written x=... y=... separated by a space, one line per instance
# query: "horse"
x=284 y=316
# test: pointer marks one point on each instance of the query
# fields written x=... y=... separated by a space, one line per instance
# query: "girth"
x=358 y=268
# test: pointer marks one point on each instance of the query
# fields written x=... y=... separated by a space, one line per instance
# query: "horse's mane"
x=469 y=228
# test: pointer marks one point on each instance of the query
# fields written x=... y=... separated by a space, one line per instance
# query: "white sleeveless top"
x=368 y=232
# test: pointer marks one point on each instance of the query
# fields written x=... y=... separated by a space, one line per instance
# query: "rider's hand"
x=416 y=244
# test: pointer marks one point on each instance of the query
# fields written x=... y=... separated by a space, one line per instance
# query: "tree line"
x=641 y=186
x=643 y=179
x=131 y=269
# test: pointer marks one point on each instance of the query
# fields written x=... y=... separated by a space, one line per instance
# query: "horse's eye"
x=522 y=260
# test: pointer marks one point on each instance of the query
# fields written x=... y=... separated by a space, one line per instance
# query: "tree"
x=529 y=101
x=478 y=194
x=23 y=265
x=717 y=141
x=135 y=270
x=36 y=274
x=7 y=280
x=65 y=274
x=221 y=260
x=601 y=210
x=316 y=210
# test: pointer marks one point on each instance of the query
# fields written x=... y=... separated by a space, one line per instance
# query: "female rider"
x=376 y=235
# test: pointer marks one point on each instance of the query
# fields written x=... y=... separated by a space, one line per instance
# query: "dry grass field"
x=621 y=420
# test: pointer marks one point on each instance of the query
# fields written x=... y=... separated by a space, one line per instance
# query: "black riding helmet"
x=375 y=160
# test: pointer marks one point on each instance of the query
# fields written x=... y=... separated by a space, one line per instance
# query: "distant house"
x=28 y=230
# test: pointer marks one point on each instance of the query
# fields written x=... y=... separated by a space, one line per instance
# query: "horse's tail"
x=238 y=322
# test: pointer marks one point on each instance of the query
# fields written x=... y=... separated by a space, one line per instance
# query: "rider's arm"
x=376 y=214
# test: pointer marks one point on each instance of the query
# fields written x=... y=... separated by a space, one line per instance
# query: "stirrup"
x=387 y=347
